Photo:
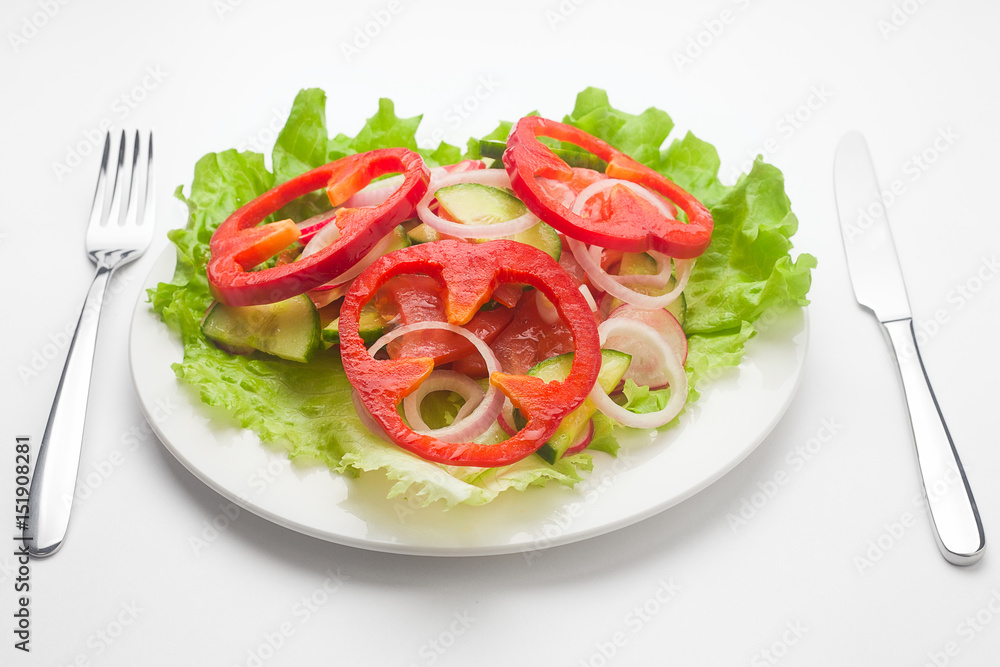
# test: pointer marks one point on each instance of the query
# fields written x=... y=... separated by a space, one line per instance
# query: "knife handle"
x=954 y=515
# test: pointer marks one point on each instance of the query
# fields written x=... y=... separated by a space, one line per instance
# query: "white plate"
x=735 y=413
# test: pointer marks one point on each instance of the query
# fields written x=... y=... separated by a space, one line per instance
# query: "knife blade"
x=878 y=285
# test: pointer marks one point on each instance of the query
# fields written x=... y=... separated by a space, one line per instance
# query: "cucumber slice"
x=613 y=367
x=543 y=237
x=288 y=329
x=637 y=264
x=642 y=264
x=477 y=204
x=399 y=241
x=574 y=158
x=423 y=233
x=371 y=326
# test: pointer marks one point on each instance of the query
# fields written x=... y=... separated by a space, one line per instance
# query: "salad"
x=471 y=321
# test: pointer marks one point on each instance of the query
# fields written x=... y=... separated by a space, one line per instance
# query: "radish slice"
x=476 y=423
x=583 y=441
x=644 y=370
x=309 y=227
x=463 y=385
x=652 y=344
x=496 y=178
x=506 y=418
x=609 y=284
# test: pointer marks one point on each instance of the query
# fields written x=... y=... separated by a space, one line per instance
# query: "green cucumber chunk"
x=477 y=204
x=371 y=326
x=288 y=329
x=639 y=263
x=575 y=158
x=613 y=367
x=423 y=233
x=400 y=240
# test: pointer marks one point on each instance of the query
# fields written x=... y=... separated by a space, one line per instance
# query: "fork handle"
x=53 y=482
x=954 y=515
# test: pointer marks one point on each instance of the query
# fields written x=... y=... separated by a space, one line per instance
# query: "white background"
x=228 y=72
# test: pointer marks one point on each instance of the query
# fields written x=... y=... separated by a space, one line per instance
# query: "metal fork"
x=112 y=240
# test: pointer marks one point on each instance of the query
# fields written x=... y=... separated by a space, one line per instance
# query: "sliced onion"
x=614 y=284
x=476 y=423
x=496 y=178
x=463 y=385
x=652 y=343
x=350 y=274
x=324 y=237
x=607 y=282
x=375 y=193
x=644 y=369
x=589 y=298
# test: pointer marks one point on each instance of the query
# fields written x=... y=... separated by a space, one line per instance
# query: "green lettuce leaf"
x=306 y=410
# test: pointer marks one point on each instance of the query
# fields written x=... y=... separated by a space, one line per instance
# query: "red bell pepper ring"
x=634 y=225
x=469 y=273
x=239 y=244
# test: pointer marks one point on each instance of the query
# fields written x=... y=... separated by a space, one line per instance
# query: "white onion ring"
x=324 y=237
x=496 y=178
x=317 y=244
x=376 y=193
x=486 y=412
x=668 y=360
x=613 y=284
x=645 y=369
x=463 y=385
x=608 y=283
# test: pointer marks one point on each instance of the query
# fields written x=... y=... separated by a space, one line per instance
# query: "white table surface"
x=837 y=567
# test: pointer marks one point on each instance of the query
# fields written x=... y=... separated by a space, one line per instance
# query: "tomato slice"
x=418 y=298
x=523 y=343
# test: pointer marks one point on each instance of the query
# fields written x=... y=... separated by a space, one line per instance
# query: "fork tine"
x=98 y=206
x=114 y=212
x=149 y=197
x=131 y=212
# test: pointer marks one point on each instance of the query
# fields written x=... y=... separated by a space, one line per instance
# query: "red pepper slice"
x=419 y=299
x=239 y=244
x=633 y=225
x=469 y=273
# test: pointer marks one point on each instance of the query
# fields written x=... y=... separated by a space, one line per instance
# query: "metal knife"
x=878 y=285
